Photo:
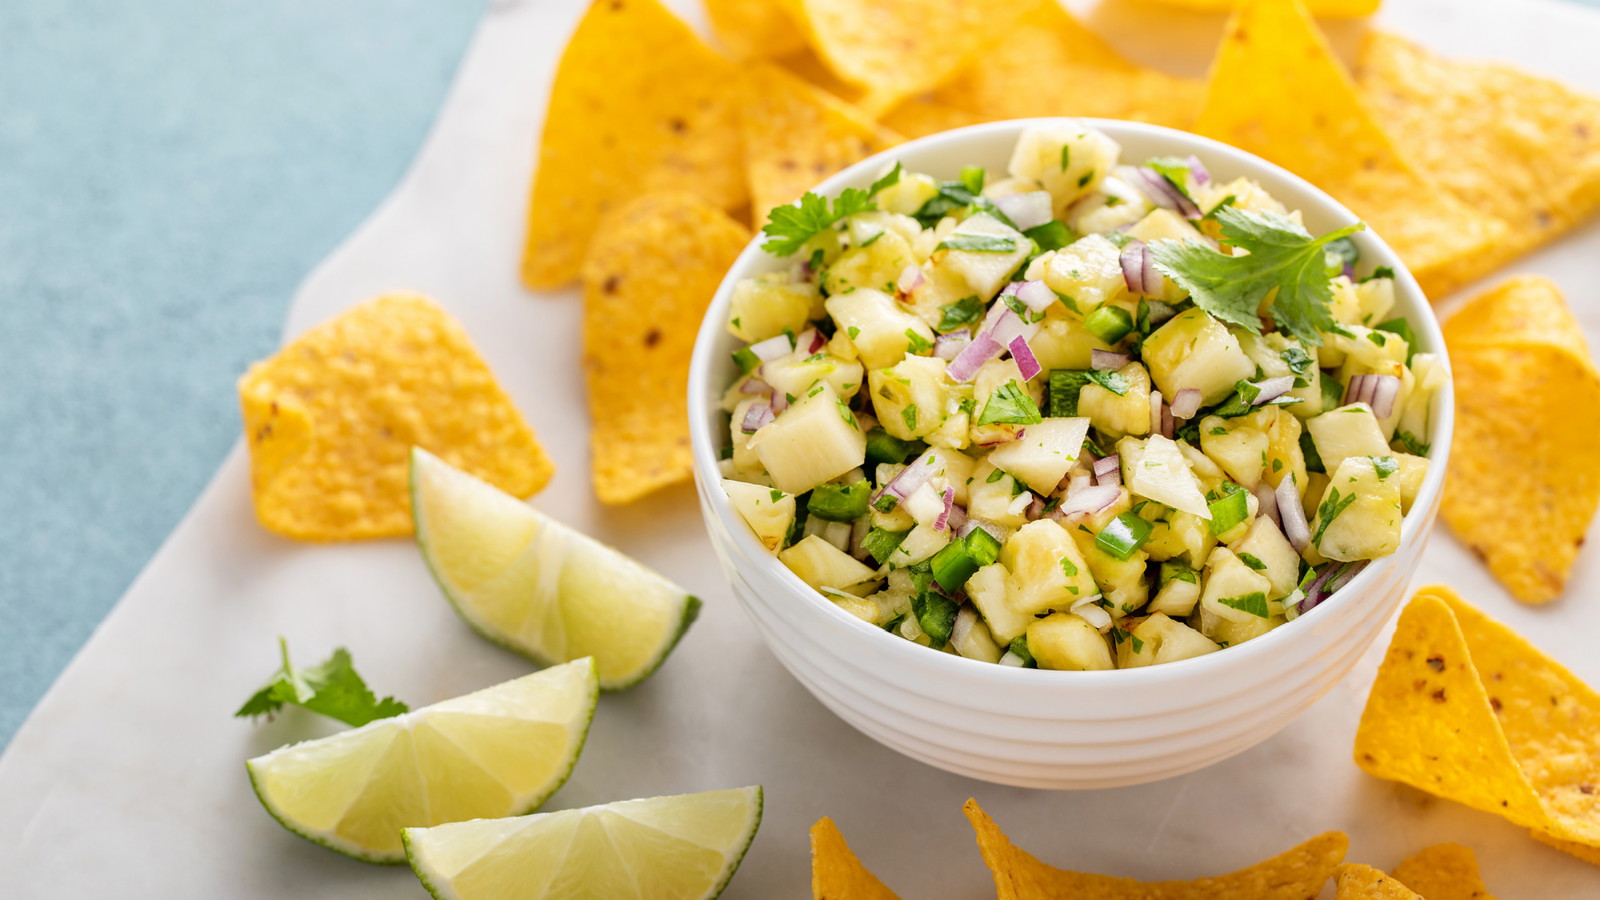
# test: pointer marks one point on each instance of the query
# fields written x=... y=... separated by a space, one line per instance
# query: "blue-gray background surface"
x=169 y=171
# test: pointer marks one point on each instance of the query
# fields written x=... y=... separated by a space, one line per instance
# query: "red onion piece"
x=772 y=348
x=1139 y=271
x=1090 y=499
x=1107 y=360
x=910 y=478
x=966 y=364
x=1028 y=210
x=756 y=416
x=1077 y=483
x=780 y=402
x=1186 y=403
x=755 y=386
x=957 y=518
x=1156 y=403
x=911 y=278
x=1198 y=171
x=1108 y=470
x=1267 y=499
x=1027 y=363
x=1273 y=388
x=1036 y=295
x=1377 y=391
x=944 y=515
x=1035 y=508
x=949 y=346
x=1003 y=324
x=1292 y=514
x=1159 y=190
x=811 y=339
x=1169 y=425
x=1345 y=575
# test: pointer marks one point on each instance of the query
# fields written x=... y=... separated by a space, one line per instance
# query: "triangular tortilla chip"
x=331 y=419
x=892 y=49
x=1539 y=406
x=836 y=873
x=1333 y=9
x=1521 y=148
x=1277 y=90
x=1524 y=308
x=1443 y=872
x=1358 y=882
x=1295 y=874
x=651 y=270
x=1049 y=64
x=639 y=105
x=1429 y=722
x=796 y=135
x=1582 y=851
x=755 y=29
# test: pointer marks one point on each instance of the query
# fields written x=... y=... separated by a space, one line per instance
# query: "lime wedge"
x=529 y=583
x=664 y=848
x=500 y=751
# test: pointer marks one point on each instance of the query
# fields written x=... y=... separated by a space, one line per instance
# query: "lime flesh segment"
x=498 y=752
x=664 y=848
x=529 y=583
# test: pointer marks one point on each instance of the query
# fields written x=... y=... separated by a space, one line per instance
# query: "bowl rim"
x=1415 y=528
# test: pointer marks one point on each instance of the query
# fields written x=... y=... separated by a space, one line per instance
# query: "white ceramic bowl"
x=1032 y=727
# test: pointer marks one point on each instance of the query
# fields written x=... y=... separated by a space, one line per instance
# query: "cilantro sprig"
x=332 y=689
x=1284 y=263
x=789 y=227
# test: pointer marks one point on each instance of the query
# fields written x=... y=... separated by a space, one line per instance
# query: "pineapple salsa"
x=1076 y=415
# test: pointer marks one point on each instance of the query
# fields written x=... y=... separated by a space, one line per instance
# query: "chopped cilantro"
x=1379 y=272
x=1019 y=648
x=1010 y=405
x=961 y=313
x=1138 y=643
x=994 y=476
x=909 y=415
x=1412 y=446
x=777 y=495
x=1066 y=156
x=1385 y=466
x=1342 y=255
x=789 y=227
x=1052 y=235
x=1065 y=385
x=1402 y=328
x=1299 y=363
x=1253 y=561
x=1068 y=568
x=853 y=332
x=332 y=689
x=1085 y=178
x=1308 y=449
x=869 y=241
x=916 y=343
x=747 y=360
x=978 y=243
x=1254 y=603
x=1115 y=382
x=1330 y=510
x=881 y=543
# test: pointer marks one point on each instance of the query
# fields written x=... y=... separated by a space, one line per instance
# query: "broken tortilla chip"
x=1518 y=147
x=1524 y=308
x=651 y=270
x=755 y=29
x=331 y=419
x=1359 y=882
x=796 y=135
x=1465 y=709
x=639 y=105
x=1278 y=91
x=836 y=873
x=1295 y=874
x=1049 y=64
x=1443 y=872
x=1538 y=404
x=1333 y=9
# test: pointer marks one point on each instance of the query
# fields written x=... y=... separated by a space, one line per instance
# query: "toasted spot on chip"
x=1359 y=882
x=1295 y=874
x=331 y=419
x=1277 y=90
x=1519 y=147
x=755 y=29
x=1024 y=75
x=639 y=105
x=1524 y=480
x=1443 y=872
x=1523 y=308
x=796 y=135
x=836 y=873
x=651 y=270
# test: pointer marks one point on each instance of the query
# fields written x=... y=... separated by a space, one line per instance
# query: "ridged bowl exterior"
x=1046 y=729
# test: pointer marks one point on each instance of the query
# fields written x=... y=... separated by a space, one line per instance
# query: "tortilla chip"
x=1358 y=882
x=755 y=29
x=1443 y=872
x=1295 y=874
x=331 y=419
x=1277 y=90
x=836 y=873
x=1521 y=148
x=1539 y=406
x=639 y=105
x=1524 y=308
x=891 y=49
x=651 y=270
x=1333 y=9
x=1429 y=722
x=1582 y=851
x=796 y=135
x=1049 y=64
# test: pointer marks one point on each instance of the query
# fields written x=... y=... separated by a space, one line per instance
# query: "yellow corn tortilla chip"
x=1359 y=882
x=331 y=419
x=836 y=873
x=755 y=29
x=1582 y=851
x=1277 y=90
x=891 y=49
x=1524 y=308
x=1049 y=64
x=1443 y=872
x=651 y=270
x=1521 y=148
x=1331 y=8
x=639 y=105
x=796 y=135
x=1539 y=406
x=1295 y=874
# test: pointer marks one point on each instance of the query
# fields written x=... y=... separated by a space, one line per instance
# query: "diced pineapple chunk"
x=876 y=264
x=1194 y=350
x=1042 y=456
x=907 y=195
x=796 y=375
x=1429 y=374
x=1179 y=592
x=985 y=270
x=921 y=543
x=821 y=564
x=1271 y=354
x=989 y=591
x=1063 y=343
x=1115 y=204
x=910 y=397
x=769 y=305
x=971 y=638
x=1174 y=640
x=1247 y=194
x=1235 y=633
x=993 y=375
x=1285 y=458
x=1232 y=590
x=768 y=512
x=1413 y=469
x=940 y=287
x=1127 y=413
x=1347 y=431
x=951 y=468
x=1047 y=569
x=815 y=440
x=990 y=494
x=1120 y=580
x=1265 y=549
x=1366 y=303
x=1068 y=158
x=1360 y=516
x=877 y=325
x=1087 y=274
x=1237 y=444
x=1155 y=469
x=1065 y=641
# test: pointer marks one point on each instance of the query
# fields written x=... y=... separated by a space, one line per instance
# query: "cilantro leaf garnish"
x=1010 y=405
x=332 y=689
x=961 y=313
x=1284 y=262
x=978 y=243
x=789 y=227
